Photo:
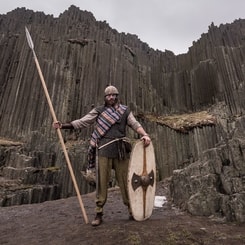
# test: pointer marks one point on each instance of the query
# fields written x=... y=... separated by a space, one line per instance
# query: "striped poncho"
x=104 y=122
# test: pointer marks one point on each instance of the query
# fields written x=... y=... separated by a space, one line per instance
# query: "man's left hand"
x=147 y=140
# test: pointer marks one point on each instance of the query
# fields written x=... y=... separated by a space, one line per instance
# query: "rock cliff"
x=191 y=104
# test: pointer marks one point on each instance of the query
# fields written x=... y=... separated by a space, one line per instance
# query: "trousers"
x=121 y=172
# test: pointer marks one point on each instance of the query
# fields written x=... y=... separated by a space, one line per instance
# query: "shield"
x=142 y=180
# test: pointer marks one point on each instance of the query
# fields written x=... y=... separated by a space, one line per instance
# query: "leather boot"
x=97 y=220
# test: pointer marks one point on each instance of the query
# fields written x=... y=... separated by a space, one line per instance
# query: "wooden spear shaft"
x=29 y=39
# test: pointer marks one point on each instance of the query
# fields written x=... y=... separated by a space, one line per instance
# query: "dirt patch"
x=61 y=222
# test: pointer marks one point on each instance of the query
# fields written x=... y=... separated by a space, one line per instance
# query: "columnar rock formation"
x=192 y=105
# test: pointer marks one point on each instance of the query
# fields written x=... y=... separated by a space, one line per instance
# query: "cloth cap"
x=111 y=90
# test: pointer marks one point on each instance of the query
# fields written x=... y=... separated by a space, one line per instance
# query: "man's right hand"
x=57 y=124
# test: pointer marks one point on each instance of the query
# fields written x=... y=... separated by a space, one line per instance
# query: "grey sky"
x=163 y=24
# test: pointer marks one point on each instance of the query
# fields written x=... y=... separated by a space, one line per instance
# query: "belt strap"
x=112 y=141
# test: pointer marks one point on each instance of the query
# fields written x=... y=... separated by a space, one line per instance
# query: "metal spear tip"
x=29 y=39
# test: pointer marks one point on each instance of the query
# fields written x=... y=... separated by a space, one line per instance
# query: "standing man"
x=108 y=140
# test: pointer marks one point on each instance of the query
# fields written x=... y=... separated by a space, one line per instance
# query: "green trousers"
x=121 y=172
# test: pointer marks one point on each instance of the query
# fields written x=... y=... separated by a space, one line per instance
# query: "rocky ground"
x=61 y=222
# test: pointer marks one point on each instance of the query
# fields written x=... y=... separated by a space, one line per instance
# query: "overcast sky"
x=163 y=24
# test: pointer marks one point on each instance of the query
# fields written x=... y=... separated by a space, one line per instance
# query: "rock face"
x=214 y=184
x=191 y=104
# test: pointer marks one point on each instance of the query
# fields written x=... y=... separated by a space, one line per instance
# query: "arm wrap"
x=66 y=126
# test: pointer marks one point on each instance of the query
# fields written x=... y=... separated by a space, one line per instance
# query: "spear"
x=30 y=43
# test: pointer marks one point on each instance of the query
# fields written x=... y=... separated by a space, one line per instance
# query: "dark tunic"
x=117 y=130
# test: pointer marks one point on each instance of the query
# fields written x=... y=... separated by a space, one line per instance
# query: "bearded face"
x=111 y=99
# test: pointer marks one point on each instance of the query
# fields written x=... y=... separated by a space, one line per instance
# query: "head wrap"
x=111 y=90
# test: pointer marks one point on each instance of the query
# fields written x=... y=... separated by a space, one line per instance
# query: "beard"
x=111 y=101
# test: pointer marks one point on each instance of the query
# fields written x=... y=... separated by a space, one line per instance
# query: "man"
x=108 y=140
